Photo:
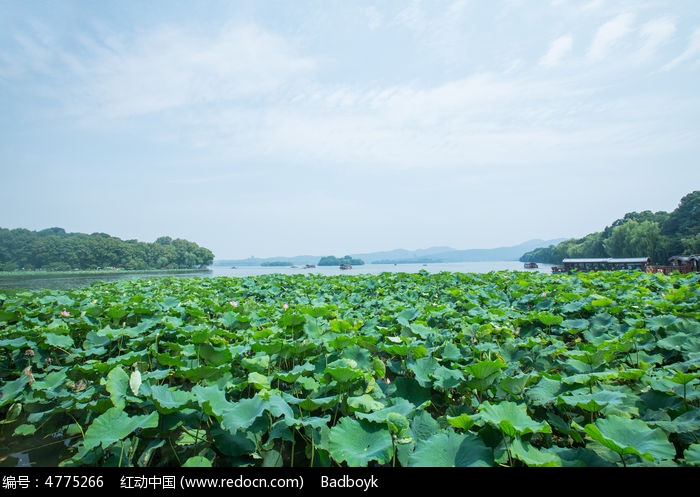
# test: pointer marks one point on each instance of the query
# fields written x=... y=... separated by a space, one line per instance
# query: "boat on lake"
x=531 y=265
x=345 y=266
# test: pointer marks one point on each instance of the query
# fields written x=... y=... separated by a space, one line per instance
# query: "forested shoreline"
x=53 y=249
x=658 y=235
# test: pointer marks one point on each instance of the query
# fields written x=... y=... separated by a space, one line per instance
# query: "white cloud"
x=485 y=119
x=608 y=35
x=692 y=50
x=655 y=34
x=439 y=30
x=558 y=49
x=374 y=18
x=172 y=67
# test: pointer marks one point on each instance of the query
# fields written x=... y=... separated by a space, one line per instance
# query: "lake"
x=68 y=280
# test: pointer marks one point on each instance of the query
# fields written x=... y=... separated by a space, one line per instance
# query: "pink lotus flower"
x=65 y=313
x=544 y=294
x=234 y=303
x=285 y=306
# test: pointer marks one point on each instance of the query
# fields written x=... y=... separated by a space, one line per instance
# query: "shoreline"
x=99 y=272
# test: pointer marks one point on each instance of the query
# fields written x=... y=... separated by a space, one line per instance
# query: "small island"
x=331 y=260
x=276 y=264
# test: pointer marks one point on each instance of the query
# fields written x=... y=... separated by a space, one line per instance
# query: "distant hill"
x=658 y=235
x=53 y=249
x=403 y=256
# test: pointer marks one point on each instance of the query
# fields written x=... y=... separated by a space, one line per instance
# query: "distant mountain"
x=402 y=256
x=495 y=254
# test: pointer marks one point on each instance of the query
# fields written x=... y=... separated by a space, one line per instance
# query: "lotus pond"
x=499 y=369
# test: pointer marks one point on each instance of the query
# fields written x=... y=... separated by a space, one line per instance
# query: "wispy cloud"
x=439 y=29
x=558 y=49
x=655 y=35
x=161 y=69
x=608 y=35
x=691 y=51
x=172 y=67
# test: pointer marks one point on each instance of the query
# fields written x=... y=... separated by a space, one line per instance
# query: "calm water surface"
x=66 y=281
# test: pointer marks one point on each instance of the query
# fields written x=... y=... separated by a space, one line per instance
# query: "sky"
x=268 y=128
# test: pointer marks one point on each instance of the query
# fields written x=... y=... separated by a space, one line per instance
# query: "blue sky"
x=330 y=127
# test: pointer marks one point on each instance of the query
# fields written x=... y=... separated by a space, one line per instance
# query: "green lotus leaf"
x=378 y=367
x=512 y=419
x=203 y=372
x=423 y=425
x=572 y=307
x=605 y=400
x=549 y=319
x=485 y=369
x=313 y=327
x=409 y=389
x=361 y=357
x=451 y=449
x=515 y=385
x=259 y=381
x=446 y=378
x=421 y=330
x=117 y=384
x=212 y=399
x=280 y=408
x=692 y=455
x=544 y=392
x=462 y=422
x=8 y=316
x=631 y=436
x=114 y=425
x=364 y=403
x=484 y=374
x=17 y=343
x=601 y=302
x=272 y=459
x=214 y=356
x=684 y=378
x=422 y=369
x=400 y=406
x=233 y=444
x=197 y=462
x=242 y=414
x=344 y=370
x=60 y=341
x=687 y=422
x=532 y=456
x=295 y=372
x=575 y=324
x=451 y=352
x=151 y=449
x=580 y=457
x=308 y=383
x=260 y=363
x=12 y=413
x=168 y=360
x=357 y=443
x=310 y=404
x=24 y=430
x=169 y=400
x=398 y=423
